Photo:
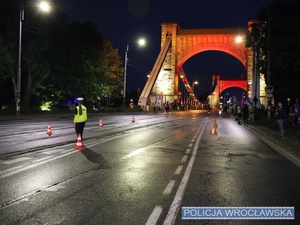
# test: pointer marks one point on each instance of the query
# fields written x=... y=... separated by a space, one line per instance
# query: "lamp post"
x=193 y=85
x=225 y=99
x=44 y=6
x=193 y=88
x=182 y=89
x=141 y=42
x=255 y=77
x=269 y=59
x=125 y=71
x=18 y=90
x=268 y=41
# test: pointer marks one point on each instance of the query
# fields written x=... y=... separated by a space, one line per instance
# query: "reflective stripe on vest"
x=80 y=118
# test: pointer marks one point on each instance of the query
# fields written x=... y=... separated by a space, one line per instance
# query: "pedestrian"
x=225 y=109
x=297 y=116
x=245 y=113
x=251 y=112
x=234 y=112
x=80 y=117
x=280 y=117
x=239 y=113
x=167 y=109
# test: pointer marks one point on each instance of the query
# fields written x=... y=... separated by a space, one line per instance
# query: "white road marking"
x=175 y=206
x=193 y=140
x=154 y=215
x=21 y=159
x=184 y=158
x=188 y=151
x=45 y=158
x=169 y=187
x=178 y=170
x=11 y=169
x=133 y=153
x=15 y=170
x=52 y=151
x=190 y=145
x=21 y=168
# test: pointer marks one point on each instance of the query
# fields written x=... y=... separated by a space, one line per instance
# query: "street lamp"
x=125 y=71
x=193 y=88
x=269 y=58
x=141 y=42
x=193 y=85
x=225 y=99
x=182 y=90
x=44 y=7
x=268 y=41
x=238 y=39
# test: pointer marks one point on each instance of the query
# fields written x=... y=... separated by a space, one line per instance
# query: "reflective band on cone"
x=49 y=132
x=100 y=123
x=79 y=145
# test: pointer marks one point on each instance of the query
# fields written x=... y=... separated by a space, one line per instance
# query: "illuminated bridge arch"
x=224 y=84
x=226 y=43
x=178 y=45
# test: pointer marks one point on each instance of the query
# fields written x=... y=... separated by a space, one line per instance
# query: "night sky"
x=125 y=21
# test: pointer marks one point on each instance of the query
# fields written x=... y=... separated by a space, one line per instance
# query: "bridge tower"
x=178 y=45
x=221 y=85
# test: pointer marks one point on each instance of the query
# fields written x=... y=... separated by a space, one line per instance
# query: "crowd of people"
x=242 y=112
x=245 y=113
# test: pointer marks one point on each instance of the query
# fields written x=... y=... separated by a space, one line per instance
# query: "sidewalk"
x=288 y=147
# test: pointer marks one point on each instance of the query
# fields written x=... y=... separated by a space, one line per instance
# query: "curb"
x=286 y=151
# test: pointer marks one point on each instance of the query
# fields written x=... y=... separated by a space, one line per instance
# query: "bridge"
x=178 y=45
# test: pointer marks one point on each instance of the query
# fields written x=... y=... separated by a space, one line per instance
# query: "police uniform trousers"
x=79 y=128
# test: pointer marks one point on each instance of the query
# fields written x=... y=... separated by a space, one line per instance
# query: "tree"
x=8 y=38
x=37 y=69
x=110 y=62
x=83 y=63
x=60 y=60
x=282 y=39
x=6 y=70
x=286 y=50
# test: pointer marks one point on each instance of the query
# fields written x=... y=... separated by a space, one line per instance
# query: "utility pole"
x=19 y=73
x=125 y=71
x=269 y=60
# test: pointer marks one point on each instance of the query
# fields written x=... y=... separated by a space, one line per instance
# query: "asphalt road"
x=138 y=173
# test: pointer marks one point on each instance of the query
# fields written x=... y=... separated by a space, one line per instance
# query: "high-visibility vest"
x=80 y=118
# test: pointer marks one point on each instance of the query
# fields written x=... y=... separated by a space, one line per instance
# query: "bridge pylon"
x=178 y=45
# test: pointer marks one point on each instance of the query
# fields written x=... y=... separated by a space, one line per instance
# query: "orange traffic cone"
x=49 y=132
x=100 y=123
x=79 y=145
x=133 y=120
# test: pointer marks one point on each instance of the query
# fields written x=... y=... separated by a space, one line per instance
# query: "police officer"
x=80 y=116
